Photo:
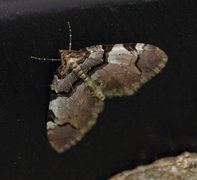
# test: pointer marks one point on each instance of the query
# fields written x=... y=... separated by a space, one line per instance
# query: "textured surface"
x=182 y=167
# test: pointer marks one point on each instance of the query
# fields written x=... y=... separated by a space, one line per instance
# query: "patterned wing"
x=70 y=117
x=127 y=67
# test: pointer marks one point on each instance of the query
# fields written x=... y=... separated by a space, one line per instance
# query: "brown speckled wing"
x=71 y=117
x=128 y=66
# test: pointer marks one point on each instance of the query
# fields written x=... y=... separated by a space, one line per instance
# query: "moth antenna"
x=45 y=59
x=70 y=36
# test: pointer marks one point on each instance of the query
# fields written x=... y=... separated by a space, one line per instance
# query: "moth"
x=86 y=77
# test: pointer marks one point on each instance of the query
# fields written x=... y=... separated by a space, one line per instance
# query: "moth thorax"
x=72 y=62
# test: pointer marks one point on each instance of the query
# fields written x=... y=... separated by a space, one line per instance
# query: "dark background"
x=158 y=121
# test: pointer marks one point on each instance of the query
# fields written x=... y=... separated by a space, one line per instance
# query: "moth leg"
x=71 y=86
x=90 y=64
x=92 y=85
x=97 y=60
x=94 y=88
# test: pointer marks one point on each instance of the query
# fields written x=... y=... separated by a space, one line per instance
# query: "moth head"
x=67 y=55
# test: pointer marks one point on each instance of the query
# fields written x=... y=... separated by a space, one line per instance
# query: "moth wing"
x=71 y=117
x=127 y=67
